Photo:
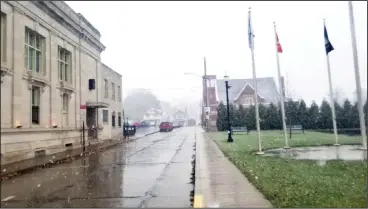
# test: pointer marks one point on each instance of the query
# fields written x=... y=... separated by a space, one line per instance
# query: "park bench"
x=295 y=128
x=239 y=129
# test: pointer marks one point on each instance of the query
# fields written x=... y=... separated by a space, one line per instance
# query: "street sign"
x=82 y=114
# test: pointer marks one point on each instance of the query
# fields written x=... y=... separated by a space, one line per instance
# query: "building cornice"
x=71 y=21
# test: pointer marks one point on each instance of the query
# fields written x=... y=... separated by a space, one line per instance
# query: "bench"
x=295 y=128
x=240 y=129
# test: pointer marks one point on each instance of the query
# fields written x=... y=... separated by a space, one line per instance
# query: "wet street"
x=153 y=171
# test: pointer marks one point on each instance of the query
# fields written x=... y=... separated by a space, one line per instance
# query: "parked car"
x=137 y=124
x=166 y=126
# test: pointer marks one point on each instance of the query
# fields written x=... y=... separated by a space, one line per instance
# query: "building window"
x=33 y=51
x=105 y=116
x=119 y=94
x=119 y=119
x=65 y=102
x=113 y=119
x=64 y=65
x=106 y=89
x=113 y=91
x=36 y=105
x=248 y=100
x=3 y=37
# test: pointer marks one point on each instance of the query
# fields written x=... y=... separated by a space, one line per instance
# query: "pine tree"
x=302 y=113
x=347 y=113
x=263 y=117
x=325 y=119
x=274 y=118
x=221 y=117
x=355 y=116
x=339 y=112
x=233 y=117
x=251 y=118
x=291 y=112
x=241 y=116
x=313 y=116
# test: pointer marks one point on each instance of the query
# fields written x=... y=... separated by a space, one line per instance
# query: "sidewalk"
x=57 y=158
x=218 y=182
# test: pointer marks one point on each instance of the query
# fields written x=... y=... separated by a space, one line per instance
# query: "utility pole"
x=205 y=88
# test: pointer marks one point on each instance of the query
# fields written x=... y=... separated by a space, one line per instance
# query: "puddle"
x=342 y=152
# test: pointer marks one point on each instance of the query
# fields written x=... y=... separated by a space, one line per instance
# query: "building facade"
x=241 y=92
x=52 y=80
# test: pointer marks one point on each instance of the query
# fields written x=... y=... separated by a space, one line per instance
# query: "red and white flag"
x=279 y=48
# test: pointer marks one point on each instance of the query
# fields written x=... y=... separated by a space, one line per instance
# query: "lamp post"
x=227 y=87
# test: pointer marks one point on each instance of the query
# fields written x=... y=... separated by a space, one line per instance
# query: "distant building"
x=52 y=80
x=179 y=115
x=240 y=93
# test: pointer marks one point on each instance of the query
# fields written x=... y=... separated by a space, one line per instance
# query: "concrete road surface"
x=153 y=171
x=145 y=130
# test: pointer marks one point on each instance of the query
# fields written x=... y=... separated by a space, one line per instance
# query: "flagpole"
x=332 y=98
x=260 y=152
x=281 y=91
x=357 y=77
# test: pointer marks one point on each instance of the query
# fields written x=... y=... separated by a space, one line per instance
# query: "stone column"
x=21 y=102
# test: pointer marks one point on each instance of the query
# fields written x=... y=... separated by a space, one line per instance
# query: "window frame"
x=3 y=35
x=119 y=93
x=36 y=120
x=29 y=46
x=106 y=84
x=107 y=116
x=119 y=119
x=64 y=59
x=113 y=119
x=113 y=91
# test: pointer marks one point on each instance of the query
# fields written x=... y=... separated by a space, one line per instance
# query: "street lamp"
x=227 y=87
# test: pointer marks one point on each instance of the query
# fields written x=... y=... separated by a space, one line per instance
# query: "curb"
x=201 y=194
x=76 y=155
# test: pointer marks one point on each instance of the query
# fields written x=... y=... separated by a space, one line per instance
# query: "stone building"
x=52 y=80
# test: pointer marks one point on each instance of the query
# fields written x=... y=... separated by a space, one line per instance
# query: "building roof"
x=266 y=88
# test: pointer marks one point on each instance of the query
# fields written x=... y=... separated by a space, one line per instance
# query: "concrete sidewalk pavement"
x=57 y=158
x=218 y=182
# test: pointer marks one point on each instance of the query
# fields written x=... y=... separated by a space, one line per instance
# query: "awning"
x=97 y=104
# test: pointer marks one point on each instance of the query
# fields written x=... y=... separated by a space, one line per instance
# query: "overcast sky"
x=152 y=44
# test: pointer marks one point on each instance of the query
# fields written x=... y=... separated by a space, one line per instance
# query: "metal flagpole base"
x=287 y=147
x=337 y=144
x=260 y=153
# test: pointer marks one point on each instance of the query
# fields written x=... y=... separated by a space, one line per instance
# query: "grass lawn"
x=298 y=183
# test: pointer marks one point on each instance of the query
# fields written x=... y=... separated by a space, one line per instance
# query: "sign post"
x=82 y=117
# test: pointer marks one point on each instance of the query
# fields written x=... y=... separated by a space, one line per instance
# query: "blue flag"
x=328 y=45
x=250 y=33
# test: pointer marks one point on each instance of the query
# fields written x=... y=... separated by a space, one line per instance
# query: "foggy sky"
x=152 y=44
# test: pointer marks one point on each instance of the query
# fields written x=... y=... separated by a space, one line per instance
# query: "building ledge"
x=97 y=104
x=27 y=130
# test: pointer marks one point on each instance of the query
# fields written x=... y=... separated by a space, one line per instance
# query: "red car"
x=137 y=124
x=166 y=126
